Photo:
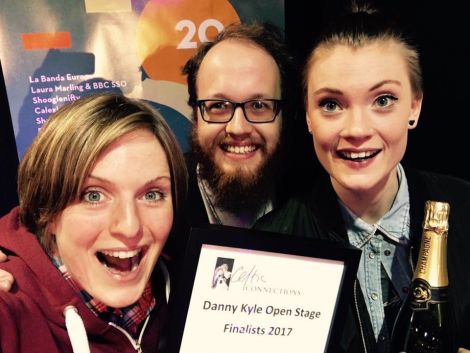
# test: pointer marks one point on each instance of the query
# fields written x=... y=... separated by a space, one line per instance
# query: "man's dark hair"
x=265 y=35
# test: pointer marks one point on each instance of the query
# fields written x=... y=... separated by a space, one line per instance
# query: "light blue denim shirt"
x=385 y=243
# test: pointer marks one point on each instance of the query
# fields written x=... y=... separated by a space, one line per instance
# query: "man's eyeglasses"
x=255 y=110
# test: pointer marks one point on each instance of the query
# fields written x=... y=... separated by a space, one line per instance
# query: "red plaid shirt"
x=129 y=317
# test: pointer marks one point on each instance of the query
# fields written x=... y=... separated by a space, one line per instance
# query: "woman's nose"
x=125 y=219
x=357 y=124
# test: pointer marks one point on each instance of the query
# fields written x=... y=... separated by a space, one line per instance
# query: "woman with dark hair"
x=363 y=94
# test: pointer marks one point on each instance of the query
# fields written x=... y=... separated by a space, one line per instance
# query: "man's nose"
x=238 y=125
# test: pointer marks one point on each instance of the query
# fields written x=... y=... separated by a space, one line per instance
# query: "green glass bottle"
x=422 y=326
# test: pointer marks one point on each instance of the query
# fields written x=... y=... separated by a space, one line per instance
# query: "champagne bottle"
x=422 y=325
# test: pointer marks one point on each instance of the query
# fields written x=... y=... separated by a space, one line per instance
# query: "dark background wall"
x=8 y=155
x=440 y=142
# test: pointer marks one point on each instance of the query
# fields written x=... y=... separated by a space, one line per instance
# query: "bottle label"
x=422 y=294
x=432 y=261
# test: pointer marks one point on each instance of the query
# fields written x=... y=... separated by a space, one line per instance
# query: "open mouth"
x=358 y=156
x=119 y=262
x=238 y=149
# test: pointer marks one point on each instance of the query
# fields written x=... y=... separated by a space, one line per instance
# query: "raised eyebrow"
x=97 y=178
x=384 y=82
x=222 y=97
x=260 y=99
x=328 y=90
x=218 y=97
x=151 y=181
x=157 y=179
x=217 y=100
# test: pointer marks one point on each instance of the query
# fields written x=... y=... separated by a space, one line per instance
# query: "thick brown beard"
x=239 y=191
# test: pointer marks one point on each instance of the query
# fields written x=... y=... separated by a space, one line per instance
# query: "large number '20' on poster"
x=53 y=52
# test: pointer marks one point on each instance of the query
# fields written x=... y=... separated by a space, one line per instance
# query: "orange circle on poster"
x=169 y=31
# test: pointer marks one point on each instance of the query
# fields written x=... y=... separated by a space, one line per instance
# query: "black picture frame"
x=254 y=240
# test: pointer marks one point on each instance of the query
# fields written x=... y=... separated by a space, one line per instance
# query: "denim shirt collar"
x=385 y=247
x=394 y=225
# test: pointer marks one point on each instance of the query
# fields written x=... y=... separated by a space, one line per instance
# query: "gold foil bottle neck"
x=432 y=260
x=436 y=216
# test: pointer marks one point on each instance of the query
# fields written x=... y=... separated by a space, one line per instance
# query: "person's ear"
x=415 y=112
x=308 y=123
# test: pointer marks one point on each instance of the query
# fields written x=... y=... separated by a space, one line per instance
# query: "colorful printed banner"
x=57 y=51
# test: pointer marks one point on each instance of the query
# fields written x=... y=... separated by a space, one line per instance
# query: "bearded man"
x=236 y=85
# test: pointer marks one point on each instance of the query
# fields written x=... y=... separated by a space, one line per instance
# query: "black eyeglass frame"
x=276 y=109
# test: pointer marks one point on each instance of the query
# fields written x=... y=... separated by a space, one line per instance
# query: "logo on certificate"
x=222 y=273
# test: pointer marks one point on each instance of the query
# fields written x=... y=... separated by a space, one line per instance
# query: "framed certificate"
x=247 y=291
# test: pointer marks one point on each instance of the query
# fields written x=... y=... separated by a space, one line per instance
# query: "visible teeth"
x=118 y=262
x=117 y=272
x=357 y=155
x=240 y=149
x=122 y=254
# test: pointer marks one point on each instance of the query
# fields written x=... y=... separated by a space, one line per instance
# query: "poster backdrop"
x=53 y=52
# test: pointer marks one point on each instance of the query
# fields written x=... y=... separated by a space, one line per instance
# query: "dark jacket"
x=194 y=215
x=196 y=211
x=32 y=313
x=316 y=214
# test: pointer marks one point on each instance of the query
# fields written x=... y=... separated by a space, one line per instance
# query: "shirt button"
x=382 y=338
x=387 y=252
x=371 y=255
x=374 y=296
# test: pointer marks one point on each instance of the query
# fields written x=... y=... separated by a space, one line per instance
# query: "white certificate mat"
x=249 y=297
